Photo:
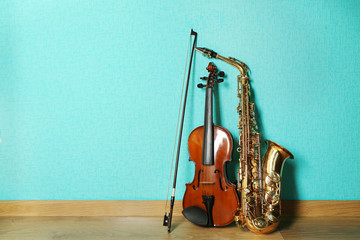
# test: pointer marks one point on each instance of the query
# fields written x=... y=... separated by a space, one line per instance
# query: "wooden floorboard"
x=320 y=228
x=109 y=228
x=101 y=208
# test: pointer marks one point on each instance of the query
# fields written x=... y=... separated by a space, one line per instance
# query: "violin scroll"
x=212 y=78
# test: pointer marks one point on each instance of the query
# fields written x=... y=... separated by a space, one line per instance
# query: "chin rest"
x=196 y=215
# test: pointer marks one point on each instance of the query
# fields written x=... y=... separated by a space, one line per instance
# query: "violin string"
x=202 y=172
x=177 y=125
x=209 y=186
x=213 y=77
x=204 y=177
x=206 y=187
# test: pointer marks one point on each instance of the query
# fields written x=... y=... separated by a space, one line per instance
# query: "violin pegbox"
x=212 y=78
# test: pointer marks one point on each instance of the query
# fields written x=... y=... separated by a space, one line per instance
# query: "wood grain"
x=157 y=208
x=320 y=228
x=111 y=228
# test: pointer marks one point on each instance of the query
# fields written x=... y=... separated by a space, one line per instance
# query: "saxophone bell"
x=273 y=162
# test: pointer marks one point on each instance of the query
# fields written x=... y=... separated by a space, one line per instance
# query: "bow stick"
x=168 y=218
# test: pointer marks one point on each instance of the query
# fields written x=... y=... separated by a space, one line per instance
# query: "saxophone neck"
x=242 y=67
x=239 y=65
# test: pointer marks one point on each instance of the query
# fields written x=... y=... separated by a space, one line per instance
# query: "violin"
x=210 y=200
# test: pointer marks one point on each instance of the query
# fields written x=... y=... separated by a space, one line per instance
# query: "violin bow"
x=168 y=218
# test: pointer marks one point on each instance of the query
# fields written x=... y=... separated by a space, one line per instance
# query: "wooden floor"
x=104 y=228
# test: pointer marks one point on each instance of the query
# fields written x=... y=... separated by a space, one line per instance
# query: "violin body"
x=211 y=179
x=209 y=200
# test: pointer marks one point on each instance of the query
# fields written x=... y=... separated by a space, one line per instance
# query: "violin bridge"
x=207 y=183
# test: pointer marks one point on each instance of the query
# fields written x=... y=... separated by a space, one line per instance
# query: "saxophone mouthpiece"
x=207 y=52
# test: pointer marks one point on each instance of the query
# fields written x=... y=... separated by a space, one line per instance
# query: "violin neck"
x=208 y=143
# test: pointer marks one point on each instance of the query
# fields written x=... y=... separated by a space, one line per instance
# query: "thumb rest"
x=259 y=180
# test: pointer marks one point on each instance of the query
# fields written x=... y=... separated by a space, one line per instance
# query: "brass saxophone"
x=259 y=181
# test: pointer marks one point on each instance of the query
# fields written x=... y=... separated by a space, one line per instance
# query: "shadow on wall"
x=288 y=184
x=289 y=190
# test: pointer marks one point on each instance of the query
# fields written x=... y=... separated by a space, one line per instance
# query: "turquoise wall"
x=89 y=93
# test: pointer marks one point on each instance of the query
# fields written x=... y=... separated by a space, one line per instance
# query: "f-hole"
x=226 y=188
x=198 y=183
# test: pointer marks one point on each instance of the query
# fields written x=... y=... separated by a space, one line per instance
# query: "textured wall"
x=89 y=93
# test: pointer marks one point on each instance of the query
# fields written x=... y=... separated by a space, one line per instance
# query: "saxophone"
x=259 y=181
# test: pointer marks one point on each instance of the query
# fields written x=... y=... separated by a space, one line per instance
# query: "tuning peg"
x=219 y=80
x=221 y=74
x=204 y=78
x=200 y=85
